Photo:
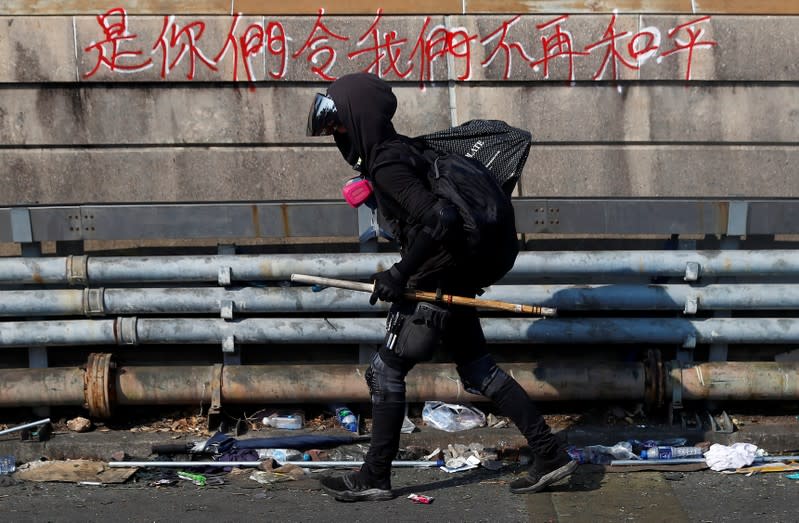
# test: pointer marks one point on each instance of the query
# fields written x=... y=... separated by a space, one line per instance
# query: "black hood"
x=365 y=106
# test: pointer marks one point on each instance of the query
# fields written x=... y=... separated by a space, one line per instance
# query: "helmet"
x=323 y=117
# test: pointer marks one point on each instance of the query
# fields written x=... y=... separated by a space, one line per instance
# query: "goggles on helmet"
x=323 y=117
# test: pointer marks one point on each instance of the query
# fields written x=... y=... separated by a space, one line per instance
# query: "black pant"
x=463 y=338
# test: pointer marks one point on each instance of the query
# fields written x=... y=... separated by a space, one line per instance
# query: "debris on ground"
x=73 y=470
x=287 y=472
x=79 y=424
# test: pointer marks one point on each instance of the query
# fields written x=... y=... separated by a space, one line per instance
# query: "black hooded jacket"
x=429 y=244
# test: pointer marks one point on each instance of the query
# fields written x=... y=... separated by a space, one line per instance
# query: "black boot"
x=552 y=463
x=373 y=481
x=546 y=470
x=352 y=487
x=512 y=401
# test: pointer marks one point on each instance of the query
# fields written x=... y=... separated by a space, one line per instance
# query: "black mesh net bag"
x=500 y=147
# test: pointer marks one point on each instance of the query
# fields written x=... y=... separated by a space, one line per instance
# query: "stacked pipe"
x=120 y=295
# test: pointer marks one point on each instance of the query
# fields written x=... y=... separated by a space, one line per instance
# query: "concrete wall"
x=184 y=101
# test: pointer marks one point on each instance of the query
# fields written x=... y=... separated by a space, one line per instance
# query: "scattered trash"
x=79 y=424
x=722 y=457
x=460 y=464
x=8 y=464
x=670 y=453
x=25 y=426
x=408 y=426
x=495 y=422
x=283 y=473
x=280 y=455
x=346 y=418
x=285 y=420
x=792 y=476
x=349 y=452
x=221 y=443
x=602 y=454
x=649 y=443
x=421 y=499
x=766 y=467
x=119 y=455
x=450 y=417
x=73 y=471
x=197 y=479
x=163 y=482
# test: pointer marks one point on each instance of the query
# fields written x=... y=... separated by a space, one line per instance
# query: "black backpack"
x=501 y=148
x=475 y=166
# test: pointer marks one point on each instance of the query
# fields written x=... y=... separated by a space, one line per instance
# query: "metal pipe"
x=181 y=385
x=41 y=387
x=132 y=330
x=675 y=461
x=25 y=426
x=304 y=464
x=754 y=380
x=220 y=268
x=255 y=300
x=192 y=385
x=349 y=464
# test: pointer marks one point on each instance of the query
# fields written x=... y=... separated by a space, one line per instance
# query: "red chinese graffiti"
x=501 y=35
x=693 y=41
x=384 y=51
x=612 y=53
x=172 y=35
x=316 y=43
x=109 y=51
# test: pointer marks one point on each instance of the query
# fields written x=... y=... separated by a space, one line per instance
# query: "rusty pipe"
x=320 y=383
x=190 y=385
x=734 y=380
x=101 y=384
x=42 y=387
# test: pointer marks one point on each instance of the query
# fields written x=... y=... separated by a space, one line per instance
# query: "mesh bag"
x=501 y=148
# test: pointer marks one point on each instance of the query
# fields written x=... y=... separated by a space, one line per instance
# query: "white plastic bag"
x=450 y=417
x=722 y=457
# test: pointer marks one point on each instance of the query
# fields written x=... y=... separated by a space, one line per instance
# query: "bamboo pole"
x=430 y=296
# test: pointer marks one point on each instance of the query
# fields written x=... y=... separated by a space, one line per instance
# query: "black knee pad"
x=386 y=384
x=482 y=376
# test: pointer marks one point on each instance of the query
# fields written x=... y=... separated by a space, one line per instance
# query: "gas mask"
x=358 y=191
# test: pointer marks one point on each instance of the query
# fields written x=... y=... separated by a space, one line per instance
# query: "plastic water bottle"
x=289 y=421
x=671 y=452
x=8 y=464
x=347 y=419
x=602 y=454
x=280 y=455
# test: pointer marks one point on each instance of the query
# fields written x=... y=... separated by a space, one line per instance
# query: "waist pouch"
x=420 y=327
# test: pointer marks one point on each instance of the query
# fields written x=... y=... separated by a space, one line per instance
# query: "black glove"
x=389 y=285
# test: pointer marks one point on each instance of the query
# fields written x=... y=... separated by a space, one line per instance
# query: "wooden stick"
x=430 y=296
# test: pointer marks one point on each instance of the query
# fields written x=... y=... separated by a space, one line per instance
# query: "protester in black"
x=358 y=111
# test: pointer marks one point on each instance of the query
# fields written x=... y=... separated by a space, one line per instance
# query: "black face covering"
x=365 y=106
x=347 y=150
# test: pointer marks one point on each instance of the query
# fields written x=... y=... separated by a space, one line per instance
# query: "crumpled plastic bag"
x=722 y=457
x=450 y=417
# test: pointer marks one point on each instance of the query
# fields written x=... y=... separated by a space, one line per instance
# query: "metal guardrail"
x=297 y=219
x=754 y=281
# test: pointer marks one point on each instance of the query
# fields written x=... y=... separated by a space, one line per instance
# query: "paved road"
x=591 y=495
